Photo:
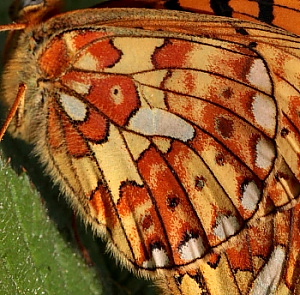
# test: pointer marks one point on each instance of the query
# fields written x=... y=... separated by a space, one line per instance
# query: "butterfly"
x=175 y=135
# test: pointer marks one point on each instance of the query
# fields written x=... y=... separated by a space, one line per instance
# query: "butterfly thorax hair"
x=20 y=64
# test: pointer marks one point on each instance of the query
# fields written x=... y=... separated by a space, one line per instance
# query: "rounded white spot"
x=251 y=196
x=259 y=77
x=268 y=279
x=160 y=122
x=264 y=111
x=265 y=154
x=159 y=259
x=74 y=107
x=226 y=226
x=192 y=249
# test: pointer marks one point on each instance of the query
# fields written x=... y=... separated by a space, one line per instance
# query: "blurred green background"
x=39 y=252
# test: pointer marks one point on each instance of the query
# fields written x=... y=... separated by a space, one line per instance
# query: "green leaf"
x=35 y=258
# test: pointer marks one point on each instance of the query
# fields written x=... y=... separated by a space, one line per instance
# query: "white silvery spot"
x=192 y=249
x=159 y=259
x=74 y=107
x=267 y=281
x=162 y=123
x=265 y=154
x=264 y=111
x=251 y=196
x=226 y=226
x=259 y=77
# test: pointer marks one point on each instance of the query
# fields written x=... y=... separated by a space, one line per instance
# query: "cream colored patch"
x=162 y=123
x=117 y=95
x=120 y=241
x=115 y=161
x=62 y=161
x=268 y=278
x=137 y=144
x=159 y=259
x=192 y=249
x=219 y=280
x=79 y=87
x=87 y=173
x=190 y=286
x=153 y=97
x=243 y=278
x=251 y=196
x=258 y=76
x=226 y=226
x=87 y=62
x=69 y=41
x=163 y=144
x=152 y=78
x=264 y=111
x=265 y=154
x=75 y=108
x=137 y=54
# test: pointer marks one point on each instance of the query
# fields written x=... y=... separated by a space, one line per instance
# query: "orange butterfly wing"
x=281 y=13
x=177 y=137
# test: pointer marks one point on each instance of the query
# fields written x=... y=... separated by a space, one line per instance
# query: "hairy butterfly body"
x=175 y=135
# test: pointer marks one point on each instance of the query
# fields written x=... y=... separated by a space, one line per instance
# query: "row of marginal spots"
x=246 y=142
x=219 y=216
x=238 y=183
x=182 y=225
x=204 y=78
x=242 y=100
